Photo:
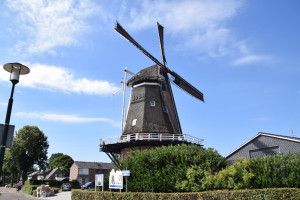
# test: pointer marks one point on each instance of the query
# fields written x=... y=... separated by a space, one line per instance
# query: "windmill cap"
x=150 y=74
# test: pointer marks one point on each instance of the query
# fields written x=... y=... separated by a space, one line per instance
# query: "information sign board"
x=115 y=179
x=126 y=173
x=99 y=179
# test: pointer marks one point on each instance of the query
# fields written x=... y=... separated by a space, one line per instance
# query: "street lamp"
x=15 y=70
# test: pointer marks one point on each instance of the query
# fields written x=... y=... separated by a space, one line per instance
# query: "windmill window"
x=165 y=108
x=152 y=103
x=133 y=122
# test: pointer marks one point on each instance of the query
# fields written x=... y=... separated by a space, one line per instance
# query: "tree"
x=64 y=162
x=30 y=147
x=53 y=157
x=10 y=170
x=164 y=169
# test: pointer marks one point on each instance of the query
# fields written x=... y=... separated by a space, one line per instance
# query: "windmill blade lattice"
x=126 y=35
x=182 y=83
x=161 y=42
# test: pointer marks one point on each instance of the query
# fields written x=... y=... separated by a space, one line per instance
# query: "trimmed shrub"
x=75 y=184
x=28 y=189
x=164 y=169
x=33 y=182
x=259 y=194
x=277 y=171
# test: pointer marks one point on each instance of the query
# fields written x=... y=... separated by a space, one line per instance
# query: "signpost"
x=126 y=173
x=99 y=181
x=10 y=135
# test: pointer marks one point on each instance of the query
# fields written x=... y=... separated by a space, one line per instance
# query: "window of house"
x=80 y=181
x=83 y=171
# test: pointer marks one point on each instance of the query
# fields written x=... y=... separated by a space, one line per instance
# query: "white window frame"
x=83 y=171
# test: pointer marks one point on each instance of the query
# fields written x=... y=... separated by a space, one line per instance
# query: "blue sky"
x=243 y=55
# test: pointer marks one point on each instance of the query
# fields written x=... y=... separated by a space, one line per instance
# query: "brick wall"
x=86 y=178
x=126 y=151
x=73 y=172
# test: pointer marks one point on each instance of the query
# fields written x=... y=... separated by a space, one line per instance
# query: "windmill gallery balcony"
x=115 y=144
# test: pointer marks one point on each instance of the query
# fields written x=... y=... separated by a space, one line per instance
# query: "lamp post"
x=16 y=69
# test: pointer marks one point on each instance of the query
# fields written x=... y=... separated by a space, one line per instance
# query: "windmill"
x=152 y=119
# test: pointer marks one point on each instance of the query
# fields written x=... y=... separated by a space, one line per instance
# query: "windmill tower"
x=152 y=118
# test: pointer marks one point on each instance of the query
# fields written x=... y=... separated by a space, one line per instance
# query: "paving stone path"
x=12 y=194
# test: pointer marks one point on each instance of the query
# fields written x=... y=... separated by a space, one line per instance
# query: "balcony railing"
x=150 y=137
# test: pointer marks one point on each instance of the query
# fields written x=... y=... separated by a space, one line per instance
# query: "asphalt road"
x=11 y=194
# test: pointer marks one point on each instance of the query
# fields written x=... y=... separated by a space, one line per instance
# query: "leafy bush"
x=28 y=189
x=275 y=171
x=164 y=169
x=260 y=194
x=33 y=182
x=75 y=184
x=51 y=182
x=34 y=193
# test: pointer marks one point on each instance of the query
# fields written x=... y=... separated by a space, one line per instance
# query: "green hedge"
x=49 y=182
x=277 y=171
x=259 y=194
x=163 y=169
x=28 y=189
x=53 y=183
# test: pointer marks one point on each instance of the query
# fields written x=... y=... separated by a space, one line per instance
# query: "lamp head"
x=16 y=69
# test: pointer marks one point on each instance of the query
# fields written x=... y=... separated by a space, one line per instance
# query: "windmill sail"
x=183 y=84
x=161 y=42
x=168 y=98
x=166 y=88
x=126 y=35
x=179 y=81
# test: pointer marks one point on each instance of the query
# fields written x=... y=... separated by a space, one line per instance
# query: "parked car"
x=66 y=187
x=9 y=185
x=88 y=185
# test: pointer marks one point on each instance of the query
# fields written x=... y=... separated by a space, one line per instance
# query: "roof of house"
x=45 y=172
x=33 y=174
x=294 y=139
x=52 y=172
x=94 y=165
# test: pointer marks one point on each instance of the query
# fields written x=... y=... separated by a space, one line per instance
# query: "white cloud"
x=202 y=23
x=50 y=23
x=181 y=16
x=202 y=26
x=263 y=119
x=54 y=78
x=251 y=59
x=4 y=76
x=65 y=118
x=3 y=103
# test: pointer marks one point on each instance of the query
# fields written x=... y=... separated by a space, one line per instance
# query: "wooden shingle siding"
x=266 y=144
